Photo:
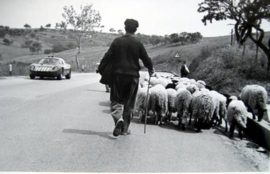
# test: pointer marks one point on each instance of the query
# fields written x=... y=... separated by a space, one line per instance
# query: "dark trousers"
x=123 y=95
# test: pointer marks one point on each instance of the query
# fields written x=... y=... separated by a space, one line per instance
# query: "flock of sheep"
x=189 y=99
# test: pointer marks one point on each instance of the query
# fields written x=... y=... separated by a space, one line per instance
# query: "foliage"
x=3 y=31
x=18 y=68
x=48 y=51
x=58 y=48
x=27 y=44
x=112 y=30
x=248 y=15
x=85 y=21
x=7 y=41
x=227 y=66
x=48 y=25
x=27 y=26
x=35 y=47
x=185 y=37
x=41 y=28
x=120 y=32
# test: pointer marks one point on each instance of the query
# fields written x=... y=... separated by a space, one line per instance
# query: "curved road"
x=65 y=126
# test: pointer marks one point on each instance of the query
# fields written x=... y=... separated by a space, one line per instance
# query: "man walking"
x=125 y=52
x=184 y=70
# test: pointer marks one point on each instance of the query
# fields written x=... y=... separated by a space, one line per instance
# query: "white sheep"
x=202 y=109
x=171 y=102
x=159 y=102
x=237 y=116
x=192 y=88
x=182 y=103
x=220 y=107
x=164 y=82
x=140 y=103
x=255 y=98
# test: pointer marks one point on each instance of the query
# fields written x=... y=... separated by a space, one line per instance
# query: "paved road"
x=65 y=126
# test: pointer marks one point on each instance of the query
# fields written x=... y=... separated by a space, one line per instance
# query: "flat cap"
x=132 y=22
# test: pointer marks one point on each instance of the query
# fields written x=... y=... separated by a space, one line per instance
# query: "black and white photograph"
x=134 y=86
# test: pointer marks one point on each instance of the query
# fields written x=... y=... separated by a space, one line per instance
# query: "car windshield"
x=50 y=61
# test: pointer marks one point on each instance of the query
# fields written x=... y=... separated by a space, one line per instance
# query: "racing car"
x=50 y=67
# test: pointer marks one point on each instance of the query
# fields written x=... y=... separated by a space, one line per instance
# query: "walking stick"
x=146 y=107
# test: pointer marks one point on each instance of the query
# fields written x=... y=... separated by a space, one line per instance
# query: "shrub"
x=33 y=35
x=35 y=47
x=71 y=45
x=47 y=51
x=7 y=41
x=27 y=44
x=58 y=48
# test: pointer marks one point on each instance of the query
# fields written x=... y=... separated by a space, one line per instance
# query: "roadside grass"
x=18 y=69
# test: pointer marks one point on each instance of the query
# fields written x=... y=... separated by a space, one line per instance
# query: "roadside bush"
x=18 y=68
x=35 y=47
x=204 y=54
x=47 y=51
x=58 y=48
x=71 y=45
x=228 y=68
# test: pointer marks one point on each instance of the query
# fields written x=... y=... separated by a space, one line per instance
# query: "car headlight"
x=32 y=67
x=55 y=68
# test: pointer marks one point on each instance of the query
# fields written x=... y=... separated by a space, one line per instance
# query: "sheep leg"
x=199 y=124
x=170 y=116
x=156 y=118
x=189 y=123
x=232 y=128
x=212 y=121
x=179 y=123
x=260 y=114
x=240 y=133
x=251 y=110
x=142 y=116
x=226 y=125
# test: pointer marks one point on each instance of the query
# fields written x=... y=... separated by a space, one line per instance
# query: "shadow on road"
x=107 y=111
x=167 y=125
x=103 y=91
x=104 y=103
x=171 y=125
x=89 y=132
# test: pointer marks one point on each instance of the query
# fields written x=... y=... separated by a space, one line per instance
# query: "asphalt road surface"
x=49 y=125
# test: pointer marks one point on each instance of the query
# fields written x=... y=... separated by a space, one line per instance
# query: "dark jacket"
x=125 y=53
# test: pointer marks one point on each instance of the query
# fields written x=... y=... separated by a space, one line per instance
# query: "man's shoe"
x=118 y=127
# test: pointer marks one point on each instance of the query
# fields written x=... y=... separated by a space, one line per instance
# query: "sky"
x=156 y=17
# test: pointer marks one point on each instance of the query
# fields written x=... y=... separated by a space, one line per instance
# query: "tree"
x=27 y=26
x=41 y=28
x=120 y=32
x=48 y=26
x=112 y=30
x=35 y=47
x=3 y=31
x=7 y=41
x=247 y=14
x=174 y=38
x=82 y=22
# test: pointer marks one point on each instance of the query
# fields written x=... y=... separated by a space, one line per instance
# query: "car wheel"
x=68 y=76
x=59 y=77
x=32 y=77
